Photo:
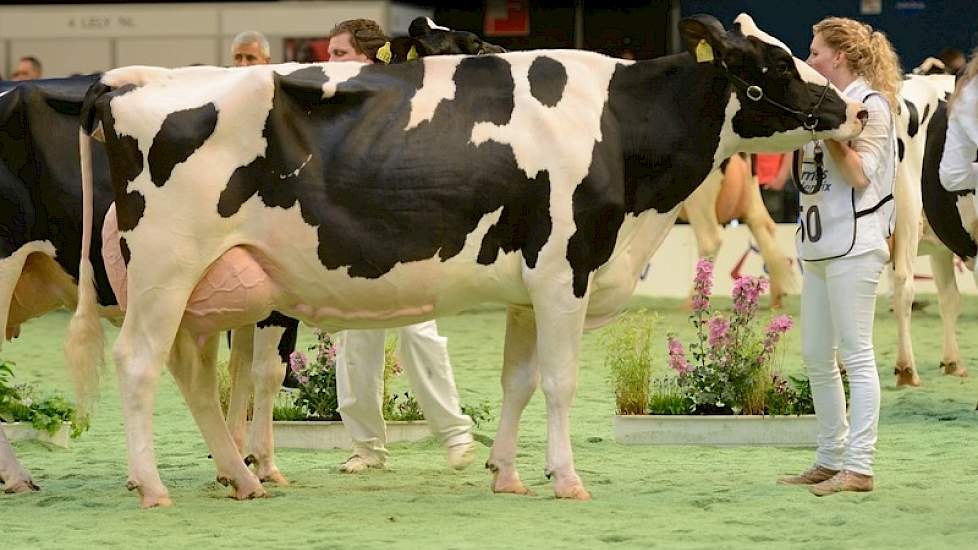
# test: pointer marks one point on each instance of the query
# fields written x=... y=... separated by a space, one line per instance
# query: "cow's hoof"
x=250 y=489
x=461 y=455
x=224 y=480
x=273 y=476
x=507 y=483
x=953 y=368
x=574 y=491
x=510 y=487
x=159 y=501
x=23 y=486
x=907 y=377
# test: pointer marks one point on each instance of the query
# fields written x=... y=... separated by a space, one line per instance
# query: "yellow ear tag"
x=412 y=54
x=384 y=53
x=704 y=52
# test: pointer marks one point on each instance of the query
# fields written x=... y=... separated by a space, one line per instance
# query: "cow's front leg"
x=560 y=323
x=14 y=477
x=942 y=266
x=267 y=373
x=239 y=371
x=519 y=380
x=197 y=380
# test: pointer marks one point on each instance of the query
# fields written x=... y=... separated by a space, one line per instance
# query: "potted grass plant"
x=723 y=387
x=26 y=414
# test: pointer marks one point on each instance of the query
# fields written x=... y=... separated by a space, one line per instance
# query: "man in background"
x=250 y=48
x=28 y=68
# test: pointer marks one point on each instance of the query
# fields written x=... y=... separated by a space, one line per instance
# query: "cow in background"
x=729 y=193
x=921 y=125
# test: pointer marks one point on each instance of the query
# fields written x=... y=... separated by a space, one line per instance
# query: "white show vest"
x=831 y=219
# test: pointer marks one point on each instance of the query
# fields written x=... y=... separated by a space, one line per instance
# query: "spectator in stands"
x=28 y=68
x=250 y=48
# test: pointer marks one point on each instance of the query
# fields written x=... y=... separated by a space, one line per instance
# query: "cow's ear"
x=403 y=49
x=419 y=27
x=704 y=37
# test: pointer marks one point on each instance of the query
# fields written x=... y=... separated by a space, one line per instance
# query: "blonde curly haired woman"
x=845 y=220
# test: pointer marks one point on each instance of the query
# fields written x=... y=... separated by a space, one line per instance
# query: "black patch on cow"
x=286 y=344
x=182 y=133
x=901 y=149
x=923 y=117
x=524 y=224
x=653 y=154
x=370 y=187
x=548 y=78
x=124 y=249
x=913 y=124
x=40 y=194
x=125 y=157
x=940 y=205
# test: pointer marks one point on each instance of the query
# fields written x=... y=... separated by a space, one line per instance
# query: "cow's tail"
x=85 y=344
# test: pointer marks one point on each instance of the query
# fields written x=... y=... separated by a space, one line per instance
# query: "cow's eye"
x=782 y=68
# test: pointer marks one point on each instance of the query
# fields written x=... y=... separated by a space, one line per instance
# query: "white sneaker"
x=461 y=455
x=356 y=464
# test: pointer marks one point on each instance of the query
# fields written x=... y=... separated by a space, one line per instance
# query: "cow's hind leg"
x=196 y=375
x=239 y=371
x=519 y=381
x=268 y=372
x=942 y=266
x=141 y=350
x=13 y=476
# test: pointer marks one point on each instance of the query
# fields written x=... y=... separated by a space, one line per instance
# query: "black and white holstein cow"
x=41 y=216
x=926 y=215
x=358 y=196
x=40 y=241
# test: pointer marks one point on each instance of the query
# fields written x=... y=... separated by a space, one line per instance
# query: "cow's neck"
x=669 y=112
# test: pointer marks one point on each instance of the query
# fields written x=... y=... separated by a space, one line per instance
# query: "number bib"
x=827 y=219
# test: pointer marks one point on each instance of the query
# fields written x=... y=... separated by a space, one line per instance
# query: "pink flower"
x=702 y=285
x=780 y=324
x=303 y=380
x=677 y=356
x=718 y=330
x=746 y=291
x=298 y=361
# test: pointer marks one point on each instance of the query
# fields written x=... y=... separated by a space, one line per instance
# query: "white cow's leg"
x=762 y=227
x=267 y=372
x=13 y=476
x=195 y=373
x=239 y=369
x=519 y=380
x=143 y=347
x=906 y=238
x=942 y=265
x=560 y=324
x=700 y=210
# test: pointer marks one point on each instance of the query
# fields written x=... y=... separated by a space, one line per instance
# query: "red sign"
x=507 y=18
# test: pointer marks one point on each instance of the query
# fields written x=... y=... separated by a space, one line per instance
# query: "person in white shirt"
x=959 y=171
x=422 y=351
x=845 y=220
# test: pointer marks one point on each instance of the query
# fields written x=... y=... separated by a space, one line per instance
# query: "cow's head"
x=427 y=38
x=781 y=101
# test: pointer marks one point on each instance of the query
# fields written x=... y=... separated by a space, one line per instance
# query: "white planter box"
x=333 y=435
x=22 y=431
x=748 y=430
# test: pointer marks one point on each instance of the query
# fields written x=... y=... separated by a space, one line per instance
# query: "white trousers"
x=360 y=385
x=838 y=305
